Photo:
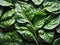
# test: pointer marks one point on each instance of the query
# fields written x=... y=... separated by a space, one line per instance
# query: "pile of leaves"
x=29 y=22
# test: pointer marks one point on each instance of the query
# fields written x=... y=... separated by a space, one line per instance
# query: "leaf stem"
x=34 y=33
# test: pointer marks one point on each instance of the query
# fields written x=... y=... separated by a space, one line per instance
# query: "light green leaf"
x=20 y=16
x=37 y=2
x=4 y=3
x=51 y=6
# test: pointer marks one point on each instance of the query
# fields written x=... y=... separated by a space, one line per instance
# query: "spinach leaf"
x=12 y=38
x=7 y=23
x=54 y=23
x=4 y=3
x=56 y=42
x=58 y=29
x=46 y=36
x=51 y=6
x=37 y=2
x=29 y=22
x=7 y=15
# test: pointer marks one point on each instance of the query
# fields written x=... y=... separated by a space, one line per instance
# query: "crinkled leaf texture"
x=7 y=19
x=46 y=36
x=11 y=38
x=51 y=6
x=29 y=22
x=53 y=23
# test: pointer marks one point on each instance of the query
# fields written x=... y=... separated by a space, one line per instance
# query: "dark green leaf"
x=27 y=35
x=12 y=38
x=24 y=13
x=38 y=23
x=18 y=27
x=7 y=15
x=46 y=36
x=58 y=29
x=56 y=42
x=30 y=44
x=7 y=23
x=53 y=23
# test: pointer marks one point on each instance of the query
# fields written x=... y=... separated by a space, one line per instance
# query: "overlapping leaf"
x=56 y=42
x=11 y=38
x=54 y=23
x=37 y=2
x=4 y=3
x=7 y=15
x=46 y=36
x=26 y=23
x=7 y=23
x=51 y=6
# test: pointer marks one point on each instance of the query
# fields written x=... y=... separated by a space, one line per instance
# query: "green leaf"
x=51 y=6
x=56 y=41
x=37 y=2
x=4 y=3
x=11 y=35
x=40 y=13
x=58 y=29
x=18 y=27
x=25 y=23
x=19 y=14
x=38 y=23
x=12 y=38
x=7 y=23
x=24 y=13
x=46 y=36
x=52 y=24
x=27 y=35
x=15 y=42
x=7 y=15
